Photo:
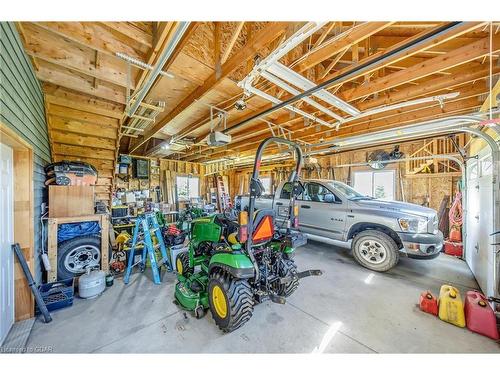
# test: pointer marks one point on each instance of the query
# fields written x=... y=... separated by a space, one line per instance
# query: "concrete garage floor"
x=347 y=310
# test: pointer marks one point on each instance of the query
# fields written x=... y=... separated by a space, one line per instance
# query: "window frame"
x=373 y=172
x=189 y=197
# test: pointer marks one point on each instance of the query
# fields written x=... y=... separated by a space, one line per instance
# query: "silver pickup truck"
x=331 y=211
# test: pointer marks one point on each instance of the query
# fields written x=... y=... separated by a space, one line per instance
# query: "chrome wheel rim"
x=373 y=251
x=82 y=257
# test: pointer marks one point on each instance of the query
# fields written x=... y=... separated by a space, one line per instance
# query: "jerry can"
x=428 y=303
x=451 y=307
x=479 y=315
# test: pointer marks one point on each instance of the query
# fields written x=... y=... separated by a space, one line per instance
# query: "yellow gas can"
x=451 y=307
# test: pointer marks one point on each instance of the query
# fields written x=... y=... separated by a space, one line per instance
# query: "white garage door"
x=479 y=221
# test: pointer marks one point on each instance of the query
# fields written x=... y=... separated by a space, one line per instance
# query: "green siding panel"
x=22 y=109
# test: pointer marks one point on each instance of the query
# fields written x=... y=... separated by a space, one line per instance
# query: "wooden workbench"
x=53 y=224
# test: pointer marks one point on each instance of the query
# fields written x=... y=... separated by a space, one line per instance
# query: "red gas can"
x=428 y=303
x=453 y=248
x=479 y=316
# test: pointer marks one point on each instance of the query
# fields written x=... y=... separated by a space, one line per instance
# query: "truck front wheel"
x=375 y=250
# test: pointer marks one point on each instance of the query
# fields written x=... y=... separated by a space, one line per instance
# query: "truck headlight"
x=413 y=225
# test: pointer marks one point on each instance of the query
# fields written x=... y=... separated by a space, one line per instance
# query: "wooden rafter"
x=56 y=75
x=327 y=30
x=232 y=41
x=431 y=43
x=333 y=63
x=262 y=38
x=357 y=34
x=131 y=31
x=451 y=59
x=492 y=99
x=93 y=35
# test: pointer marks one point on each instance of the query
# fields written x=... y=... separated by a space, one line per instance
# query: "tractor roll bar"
x=260 y=151
x=256 y=190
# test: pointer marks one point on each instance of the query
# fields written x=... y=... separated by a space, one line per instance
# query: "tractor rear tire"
x=182 y=265
x=288 y=268
x=231 y=301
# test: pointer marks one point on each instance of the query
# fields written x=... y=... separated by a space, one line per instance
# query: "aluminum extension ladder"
x=222 y=195
x=145 y=226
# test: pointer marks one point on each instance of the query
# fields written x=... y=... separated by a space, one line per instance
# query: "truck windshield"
x=348 y=191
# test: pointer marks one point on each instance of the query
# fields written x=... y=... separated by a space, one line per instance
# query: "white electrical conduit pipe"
x=155 y=72
x=422 y=129
x=437 y=98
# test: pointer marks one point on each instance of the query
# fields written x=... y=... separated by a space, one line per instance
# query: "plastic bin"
x=57 y=295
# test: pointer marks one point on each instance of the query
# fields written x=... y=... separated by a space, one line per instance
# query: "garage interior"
x=112 y=130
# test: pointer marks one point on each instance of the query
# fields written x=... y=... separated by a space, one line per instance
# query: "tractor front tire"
x=288 y=268
x=231 y=301
x=182 y=264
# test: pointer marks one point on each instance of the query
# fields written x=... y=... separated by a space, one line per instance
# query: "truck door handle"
x=305 y=206
x=279 y=204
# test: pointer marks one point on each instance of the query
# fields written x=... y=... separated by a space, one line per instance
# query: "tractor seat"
x=263 y=224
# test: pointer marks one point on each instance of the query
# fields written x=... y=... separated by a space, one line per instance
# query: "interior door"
x=6 y=240
x=321 y=212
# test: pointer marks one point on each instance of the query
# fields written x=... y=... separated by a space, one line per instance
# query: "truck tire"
x=288 y=268
x=74 y=256
x=375 y=250
x=182 y=265
x=231 y=301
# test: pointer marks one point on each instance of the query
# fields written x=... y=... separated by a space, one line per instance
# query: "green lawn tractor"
x=242 y=258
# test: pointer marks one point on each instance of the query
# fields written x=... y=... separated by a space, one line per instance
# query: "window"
x=187 y=187
x=345 y=189
x=318 y=193
x=376 y=184
x=286 y=190
x=266 y=182
x=486 y=164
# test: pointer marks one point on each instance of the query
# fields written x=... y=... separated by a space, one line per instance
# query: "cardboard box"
x=70 y=201
x=128 y=197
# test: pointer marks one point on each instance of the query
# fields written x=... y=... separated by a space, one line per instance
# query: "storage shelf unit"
x=53 y=224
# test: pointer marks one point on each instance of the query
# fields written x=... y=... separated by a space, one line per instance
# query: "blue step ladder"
x=145 y=227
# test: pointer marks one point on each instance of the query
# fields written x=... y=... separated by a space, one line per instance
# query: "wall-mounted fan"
x=376 y=158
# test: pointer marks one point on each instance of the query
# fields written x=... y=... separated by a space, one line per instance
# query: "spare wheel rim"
x=82 y=257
